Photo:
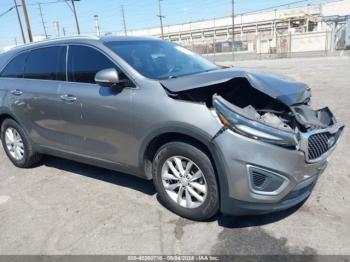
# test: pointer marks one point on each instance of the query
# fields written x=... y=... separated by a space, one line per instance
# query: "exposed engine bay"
x=241 y=97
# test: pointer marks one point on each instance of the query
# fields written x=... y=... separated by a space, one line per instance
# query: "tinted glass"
x=15 y=68
x=84 y=62
x=160 y=59
x=46 y=63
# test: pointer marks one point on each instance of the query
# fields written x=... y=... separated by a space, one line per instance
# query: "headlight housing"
x=252 y=128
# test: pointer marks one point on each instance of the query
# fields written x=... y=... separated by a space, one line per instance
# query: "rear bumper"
x=237 y=152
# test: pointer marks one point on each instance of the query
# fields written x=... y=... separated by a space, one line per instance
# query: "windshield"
x=160 y=59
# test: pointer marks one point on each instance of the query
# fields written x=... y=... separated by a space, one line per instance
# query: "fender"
x=6 y=111
x=189 y=130
x=197 y=134
x=193 y=132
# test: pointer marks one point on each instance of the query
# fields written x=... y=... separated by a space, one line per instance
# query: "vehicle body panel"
x=285 y=90
x=38 y=108
x=99 y=122
x=112 y=128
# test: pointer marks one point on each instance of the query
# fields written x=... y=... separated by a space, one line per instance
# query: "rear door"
x=34 y=97
x=97 y=120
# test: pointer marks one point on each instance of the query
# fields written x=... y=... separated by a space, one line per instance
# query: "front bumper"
x=295 y=197
x=237 y=152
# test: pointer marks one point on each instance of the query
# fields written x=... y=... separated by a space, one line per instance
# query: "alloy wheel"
x=184 y=182
x=14 y=143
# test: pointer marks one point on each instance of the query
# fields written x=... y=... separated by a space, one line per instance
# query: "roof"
x=80 y=39
x=127 y=38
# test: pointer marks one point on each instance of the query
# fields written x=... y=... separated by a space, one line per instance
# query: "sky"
x=138 y=14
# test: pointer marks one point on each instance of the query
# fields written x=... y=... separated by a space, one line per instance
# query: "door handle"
x=68 y=98
x=16 y=92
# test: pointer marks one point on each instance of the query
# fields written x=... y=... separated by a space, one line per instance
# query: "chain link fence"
x=264 y=46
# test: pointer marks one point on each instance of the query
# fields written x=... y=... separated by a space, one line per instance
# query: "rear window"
x=15 y=68
x=46 y=63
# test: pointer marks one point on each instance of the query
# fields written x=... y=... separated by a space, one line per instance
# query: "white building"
x=307 y=28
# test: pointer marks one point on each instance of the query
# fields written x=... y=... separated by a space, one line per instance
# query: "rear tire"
x=17 y=145
x=177 y=169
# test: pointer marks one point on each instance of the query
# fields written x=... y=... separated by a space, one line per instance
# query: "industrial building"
x=323 y=27
x=284 y=31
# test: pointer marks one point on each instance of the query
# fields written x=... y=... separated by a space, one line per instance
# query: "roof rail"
x=58 y=39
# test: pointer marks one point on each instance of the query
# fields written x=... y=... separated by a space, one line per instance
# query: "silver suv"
x=211 y=138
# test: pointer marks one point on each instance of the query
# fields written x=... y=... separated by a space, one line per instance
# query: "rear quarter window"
x=15 y=68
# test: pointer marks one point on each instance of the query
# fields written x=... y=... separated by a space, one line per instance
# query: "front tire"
x=17 y=146
x=185 y=180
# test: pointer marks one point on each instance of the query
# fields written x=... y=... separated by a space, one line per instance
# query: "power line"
x=47 y=3
x=76 y=17
x=42 y=3
x=42 y=20
x=134 y=10
x=20 y=22
x=123 y=16
x=161 y=18
x=274 y=7
x=74 y=13
x=7 y=11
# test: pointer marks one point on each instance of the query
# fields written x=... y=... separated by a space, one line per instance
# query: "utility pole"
x=56 y=28
x=27 y=20
x=64 y=31
x=123 y=15
x=97 y=26
x=42 y=20
x=233 y=30
x=20 y=22
x=161 y=19
x=76 y=17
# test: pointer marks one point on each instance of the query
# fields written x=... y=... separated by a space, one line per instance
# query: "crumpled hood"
x=278 y=87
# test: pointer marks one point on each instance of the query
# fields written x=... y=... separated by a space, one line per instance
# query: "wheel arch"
x=4 y=114
x=155 y=141
x=204 y=142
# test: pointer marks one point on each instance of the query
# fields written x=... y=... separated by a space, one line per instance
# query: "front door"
x=97 y=120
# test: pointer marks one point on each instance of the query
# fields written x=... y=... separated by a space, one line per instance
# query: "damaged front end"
x=264 y=107
x=316 y=133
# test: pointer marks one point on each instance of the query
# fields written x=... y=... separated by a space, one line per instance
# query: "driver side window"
x=84 y=62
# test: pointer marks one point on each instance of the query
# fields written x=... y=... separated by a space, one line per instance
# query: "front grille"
x=318 y=145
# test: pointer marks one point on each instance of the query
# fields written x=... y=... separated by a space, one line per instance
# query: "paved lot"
x=62 y=207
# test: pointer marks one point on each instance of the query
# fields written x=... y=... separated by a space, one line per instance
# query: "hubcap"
x=184 y=182
x=14 y=143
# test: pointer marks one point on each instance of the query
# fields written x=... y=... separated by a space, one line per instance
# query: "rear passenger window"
x=15 y=68
x=84 y=62
x=46 y=63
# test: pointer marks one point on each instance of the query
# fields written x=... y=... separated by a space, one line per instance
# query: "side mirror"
x=107 y=77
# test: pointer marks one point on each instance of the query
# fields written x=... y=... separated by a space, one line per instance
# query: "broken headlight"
x=233 y=118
